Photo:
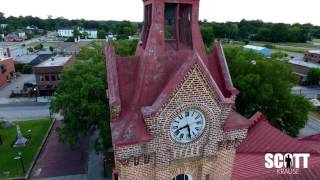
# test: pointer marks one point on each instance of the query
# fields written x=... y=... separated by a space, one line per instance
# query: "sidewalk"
x=57 y=159
x=95 y=164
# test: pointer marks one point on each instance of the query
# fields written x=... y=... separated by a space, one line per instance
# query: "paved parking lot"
x=16 y=85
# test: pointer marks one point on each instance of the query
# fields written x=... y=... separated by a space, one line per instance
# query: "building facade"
x=312 y=55
x=48 y=73
x=91 y=33
x=68 y=32
x=12 y=37
x=21 y=34
x=65 y=32
x=6 y=67
x=172 y=104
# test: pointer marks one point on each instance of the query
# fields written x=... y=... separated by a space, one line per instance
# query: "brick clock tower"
x=171 y=103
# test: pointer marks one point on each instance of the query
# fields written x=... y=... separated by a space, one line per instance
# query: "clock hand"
x=189 y=135
x=183 y=127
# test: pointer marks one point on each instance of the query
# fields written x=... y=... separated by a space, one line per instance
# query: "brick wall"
x=6 y=74
x=209 y=157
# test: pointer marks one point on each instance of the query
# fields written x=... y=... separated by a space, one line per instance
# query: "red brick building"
x=169 y=82
x=47 y=73
x=312 y=55
x=6 y=67
x=172 y=105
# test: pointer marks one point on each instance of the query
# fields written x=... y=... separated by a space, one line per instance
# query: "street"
x=24 y=111
x=312 y=127
x=305 y=91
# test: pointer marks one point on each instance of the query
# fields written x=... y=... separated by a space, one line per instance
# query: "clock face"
x=187 y=126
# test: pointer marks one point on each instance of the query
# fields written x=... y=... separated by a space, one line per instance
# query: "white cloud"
x=213 y=10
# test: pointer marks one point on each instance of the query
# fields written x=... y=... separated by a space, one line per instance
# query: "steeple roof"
x=141 y=84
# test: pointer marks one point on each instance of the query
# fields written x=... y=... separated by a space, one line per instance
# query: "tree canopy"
x=313 y=77
x=260 y=31
x=80 y=98
x=265 y=86
x=243 y=30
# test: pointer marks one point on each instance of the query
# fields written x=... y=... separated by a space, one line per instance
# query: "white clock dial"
x=187 y=126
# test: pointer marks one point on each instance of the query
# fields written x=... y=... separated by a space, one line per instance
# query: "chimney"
x=8 y=52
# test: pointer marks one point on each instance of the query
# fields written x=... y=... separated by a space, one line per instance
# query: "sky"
x=287 y=11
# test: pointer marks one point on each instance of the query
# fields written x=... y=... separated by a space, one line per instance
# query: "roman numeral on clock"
x=177 y=132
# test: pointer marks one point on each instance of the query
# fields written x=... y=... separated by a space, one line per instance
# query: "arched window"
x=182 y=177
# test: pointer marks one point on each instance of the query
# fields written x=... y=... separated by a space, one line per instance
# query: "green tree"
x=76 y=33
x=125 y=47
x=2 y=18
x=265 y=86
x=232 y=30
x=83 y=104
x=38 y=46
x=84 y=35
x=125 y=29
x=279 y=55
x=102 y=34
x=263 y=34
x=207 y=34
x=30 y=49
x=313 y=77
x=296 y=34
x=26 y=69
x=279 y=32
x=51 y=48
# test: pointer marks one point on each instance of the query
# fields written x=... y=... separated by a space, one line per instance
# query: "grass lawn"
x=316 y=40
x=7 y=163
x=45 y=44
x=288 y=47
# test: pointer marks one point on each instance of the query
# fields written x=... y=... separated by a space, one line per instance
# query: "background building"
x=65 y=32
x=6 y=67
x=47 y=73
x=261 y=50
x=91 y=33
x=312 y=55
x=88 y=33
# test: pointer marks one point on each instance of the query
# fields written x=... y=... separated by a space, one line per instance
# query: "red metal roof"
x=262 y=138
x=138 y=86
x=251 y=166
x=236 y=121
x=142 y=84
